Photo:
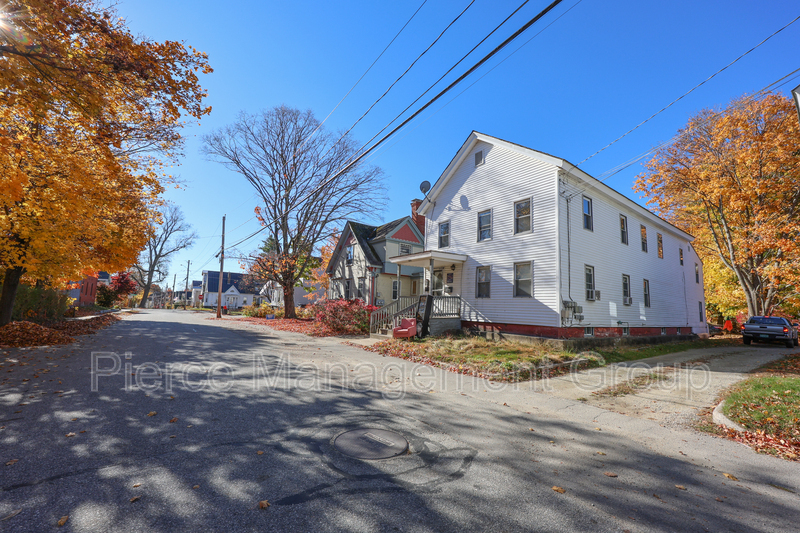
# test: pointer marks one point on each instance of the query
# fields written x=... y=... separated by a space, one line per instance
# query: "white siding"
x=505 y=177
x=674 y=295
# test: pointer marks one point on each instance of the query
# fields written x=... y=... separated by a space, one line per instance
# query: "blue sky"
x=596 y=70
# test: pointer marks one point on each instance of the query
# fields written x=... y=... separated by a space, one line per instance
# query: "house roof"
x=364 y=234
x=563 y=164
x=229 y=279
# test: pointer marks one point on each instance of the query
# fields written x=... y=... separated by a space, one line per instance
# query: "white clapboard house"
x=533 y=245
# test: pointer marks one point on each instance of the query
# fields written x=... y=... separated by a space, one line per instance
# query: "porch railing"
x=383 y=318
x=446 y=306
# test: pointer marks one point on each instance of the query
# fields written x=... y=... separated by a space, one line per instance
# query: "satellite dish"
x=425 y=186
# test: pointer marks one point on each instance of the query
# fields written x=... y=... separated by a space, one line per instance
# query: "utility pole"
x=221 y=266
x=186 y=287
x=174 y=278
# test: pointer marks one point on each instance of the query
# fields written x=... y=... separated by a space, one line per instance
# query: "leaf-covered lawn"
x=501 y=361
x=23 y=333
x=307 y=327
x=768 y=407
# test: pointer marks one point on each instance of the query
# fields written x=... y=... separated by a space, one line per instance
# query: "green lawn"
x=767 y=403
x=632 y=353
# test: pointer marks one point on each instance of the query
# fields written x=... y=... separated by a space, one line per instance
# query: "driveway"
x=242 y=416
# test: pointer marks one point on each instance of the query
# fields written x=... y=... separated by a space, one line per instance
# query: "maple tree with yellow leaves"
x=90 y=116
x=732 y=179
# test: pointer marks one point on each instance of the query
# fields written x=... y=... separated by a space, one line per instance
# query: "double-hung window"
x=347 y=289
x=523 y=280
x=623 y=229
x=350 y=255
x=643 y=230
x=646 y=290
x=522 y=217
x=626 y=289
x=484 y=225
x=589 y=276
x=405 y=249
x=444 y=234
x=701 y=310
x=660 y=241
x=484 y=280
x=588 y=214
x=360 y=288
x=696 y=273
x=395 y=289
x=680 y=252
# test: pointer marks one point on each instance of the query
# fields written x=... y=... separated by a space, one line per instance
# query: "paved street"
x=482 y=456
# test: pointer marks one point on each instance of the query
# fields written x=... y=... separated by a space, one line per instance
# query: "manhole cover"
x=371 y=444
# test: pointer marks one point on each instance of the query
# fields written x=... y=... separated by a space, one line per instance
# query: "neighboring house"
x=534 y=245
x=103 y=278
x=272 y=294
x=232 y=298
x=358 y=266
x=85 y=293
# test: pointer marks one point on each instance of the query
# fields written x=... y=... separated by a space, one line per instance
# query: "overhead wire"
x=364 y=152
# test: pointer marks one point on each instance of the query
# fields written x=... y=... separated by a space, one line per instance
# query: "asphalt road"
x=482 y=457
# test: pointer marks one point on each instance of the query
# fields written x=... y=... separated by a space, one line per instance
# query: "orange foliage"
x=732 y=179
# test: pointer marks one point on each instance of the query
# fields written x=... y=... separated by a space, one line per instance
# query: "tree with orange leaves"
x=732 y=179
x=89 y=117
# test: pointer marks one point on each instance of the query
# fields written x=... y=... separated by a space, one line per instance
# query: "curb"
x=719 y=418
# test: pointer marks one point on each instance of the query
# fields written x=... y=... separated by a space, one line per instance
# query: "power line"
x=688 y=92
x=444 y=91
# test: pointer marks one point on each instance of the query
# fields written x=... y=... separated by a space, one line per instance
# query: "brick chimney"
x=418 y=219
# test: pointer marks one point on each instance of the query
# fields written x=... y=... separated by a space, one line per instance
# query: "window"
x=444 y=234
x=626 y=330
x=702 y=311
x=484 y=225
x=479 y=160
x=484 y=282
x=660 y=246
x=680 y=252
x=523 y=280
x=588 y=331
x=626 y=289
x=663 y=331
x=588 y=222
x=623 y=229
x=589 y=274
x=395 y=289
x=347 y=289
x=405 y=249
x=360 y=288
x=522 y=217
x=646 y=288
x=696 y=273
x=350 y=255
x=679 y=331
x=644 y=237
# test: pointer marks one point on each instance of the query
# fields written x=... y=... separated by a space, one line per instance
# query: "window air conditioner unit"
x=591 y=295
x=579 y=318
x=627 y=300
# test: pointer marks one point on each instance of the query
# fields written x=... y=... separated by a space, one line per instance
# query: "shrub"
x=347 y=317
x=106 y=296
x=38 y=304
x=280 y=312
x=249 y=310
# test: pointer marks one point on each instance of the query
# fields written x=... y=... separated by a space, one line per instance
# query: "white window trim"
x=647 y=294
x=449 y=234
x=624 y=277
x=482 y=155
x=399 y=285
x=349 y=258
x=514 y=216
x=588 y=331
x=660 y=245
x=627 y=230
x=514 y=274
x=477 y=278
x=591 y=213
x=645 y=247
x=491 y=225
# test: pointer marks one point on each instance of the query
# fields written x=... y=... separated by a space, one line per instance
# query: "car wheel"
x=790 y=343
x=746 y=340
x=796 y=341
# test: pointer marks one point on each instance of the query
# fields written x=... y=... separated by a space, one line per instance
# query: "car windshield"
x=766 y=320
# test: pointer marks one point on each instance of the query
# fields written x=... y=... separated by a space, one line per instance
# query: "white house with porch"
x=533 y=245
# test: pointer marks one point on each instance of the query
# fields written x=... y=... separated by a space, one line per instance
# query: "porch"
x=445 y=315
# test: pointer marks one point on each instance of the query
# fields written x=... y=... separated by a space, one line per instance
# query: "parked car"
x=768 y=329
x=713 y=331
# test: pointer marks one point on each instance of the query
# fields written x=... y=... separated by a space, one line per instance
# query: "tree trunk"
x=288 y=302
x=9 y=293
x=146 y=292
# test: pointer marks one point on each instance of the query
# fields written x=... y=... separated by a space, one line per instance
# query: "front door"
x=438 y=283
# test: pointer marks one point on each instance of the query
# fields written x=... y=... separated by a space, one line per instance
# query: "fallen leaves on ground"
x=11 y=462
x=731 y=477
x=173 y=420
x=63 y=520
x=680 y=487
x=263 y=504
x=610 y=474
x=152 y=413
x=135 y=498
x=293 y=325
x=70 y=434
x=23 y=333
x=559 y=490
x=761 y=442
